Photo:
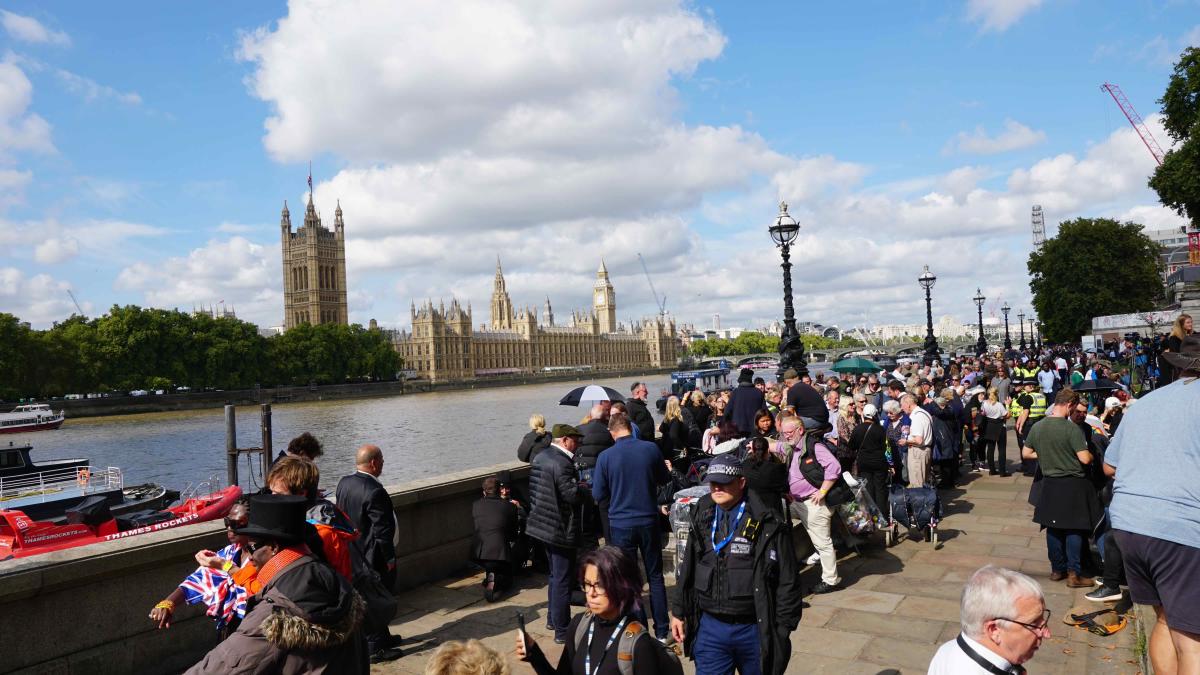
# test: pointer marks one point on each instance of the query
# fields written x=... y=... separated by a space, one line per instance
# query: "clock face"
x=599 y=297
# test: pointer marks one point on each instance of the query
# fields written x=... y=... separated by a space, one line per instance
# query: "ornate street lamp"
x=1021 y=322
x=1039 y=336
x=981 y=344
x=927 y=280
x=1007 y=340
x=791 y=349
x=1032 y=333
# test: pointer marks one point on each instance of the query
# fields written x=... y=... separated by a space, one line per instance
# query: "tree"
x=1093 y=267
x=1177 y=180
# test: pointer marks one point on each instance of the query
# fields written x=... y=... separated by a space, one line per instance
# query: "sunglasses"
x=253 y=546
x=235 y=524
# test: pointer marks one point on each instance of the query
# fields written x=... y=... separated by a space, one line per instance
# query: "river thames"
x=422 y=435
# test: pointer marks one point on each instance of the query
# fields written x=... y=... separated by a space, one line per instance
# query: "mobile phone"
x=521 y=622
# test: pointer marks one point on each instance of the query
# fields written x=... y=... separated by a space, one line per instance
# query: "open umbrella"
x=1100 y=384
x=856 y=364
x=590 y=394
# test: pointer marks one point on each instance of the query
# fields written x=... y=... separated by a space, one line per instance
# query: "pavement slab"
x=897 y=604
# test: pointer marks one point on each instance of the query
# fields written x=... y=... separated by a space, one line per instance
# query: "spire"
x=337 y=216
x=603 y=271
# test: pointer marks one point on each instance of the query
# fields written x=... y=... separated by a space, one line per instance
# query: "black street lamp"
x=927 y=280
x=1039 y=336
x=981 y=343
x=791 y=349
x=1032 y=334
x=1007 y=340
x=1021 y=322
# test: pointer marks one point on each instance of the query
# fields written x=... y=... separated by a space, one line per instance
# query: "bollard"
x=231 y=453
x=267 y=450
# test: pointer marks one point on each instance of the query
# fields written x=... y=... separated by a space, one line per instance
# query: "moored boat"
x=91 y=522
x=30 y=417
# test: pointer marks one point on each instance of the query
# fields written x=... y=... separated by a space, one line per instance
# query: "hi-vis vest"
x=1014 y=408
x=1038 y=409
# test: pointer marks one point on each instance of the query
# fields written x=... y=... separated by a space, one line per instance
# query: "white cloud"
x=12 y=187
x=240 y=228
x=999 y=15
x=19 y=130
x=40 y=299
x=29 y=29
x=1014 y=137
x=242 y=274
x=51 y=251
x=92 y=90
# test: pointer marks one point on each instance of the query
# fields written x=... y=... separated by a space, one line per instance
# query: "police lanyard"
x=984 y=663
x=587 y=658
x=717 y=546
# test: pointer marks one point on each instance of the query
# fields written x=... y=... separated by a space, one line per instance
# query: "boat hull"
x=23 y=428
x=22 y=536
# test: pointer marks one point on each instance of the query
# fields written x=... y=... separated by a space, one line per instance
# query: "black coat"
x=674 y=438
x=596 y=439
x=745 y=402
x=808 y=402
x=364 y=499
x=776 y=574
x=532 y=444
x=641 y=418
x=495 y=529
x=556 y=496
x=867 y=443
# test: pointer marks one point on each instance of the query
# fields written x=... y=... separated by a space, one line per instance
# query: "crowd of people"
x=305 y=583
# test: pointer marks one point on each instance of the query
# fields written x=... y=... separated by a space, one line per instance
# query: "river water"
x=422 y=435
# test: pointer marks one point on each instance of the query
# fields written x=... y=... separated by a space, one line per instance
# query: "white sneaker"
x=813 y=559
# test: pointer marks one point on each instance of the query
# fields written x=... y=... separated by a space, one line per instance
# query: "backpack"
x=943 y=446
x=630 y=634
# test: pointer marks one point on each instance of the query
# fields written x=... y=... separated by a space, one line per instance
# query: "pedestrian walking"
x=1155 y=458
x=1004 y=619
x=554 y=519
x=737 y=594
x=812 y=472
x=627 y=477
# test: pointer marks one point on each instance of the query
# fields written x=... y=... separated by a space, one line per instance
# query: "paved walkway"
x=897 y=606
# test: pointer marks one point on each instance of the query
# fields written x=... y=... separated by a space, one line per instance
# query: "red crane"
x=1135 y=119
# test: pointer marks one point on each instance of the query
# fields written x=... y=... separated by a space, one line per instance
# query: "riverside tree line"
x=134 y=348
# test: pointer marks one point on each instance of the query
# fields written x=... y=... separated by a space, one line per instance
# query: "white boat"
x=30 y=417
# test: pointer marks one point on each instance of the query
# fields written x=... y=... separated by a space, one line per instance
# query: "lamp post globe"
x=1007 y=340
x=981 y=343
x=791 y=349
x=927 y=280
x=1021 y=323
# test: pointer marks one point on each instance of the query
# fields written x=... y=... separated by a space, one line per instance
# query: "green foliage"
x=1093 y=267
x=135 y=348
x=1177 y=180
x=752 y=342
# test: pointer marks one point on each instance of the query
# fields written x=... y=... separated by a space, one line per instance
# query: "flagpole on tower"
x=310 y=189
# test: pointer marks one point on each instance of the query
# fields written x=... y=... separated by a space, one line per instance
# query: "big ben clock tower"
x=604 y=301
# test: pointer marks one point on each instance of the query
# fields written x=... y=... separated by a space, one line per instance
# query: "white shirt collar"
x=986 y=653
x=368 y=475
x=568 y=453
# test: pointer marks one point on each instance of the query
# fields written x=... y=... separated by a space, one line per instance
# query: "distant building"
x=215 y=312
x=444 y=346
x=314 y=269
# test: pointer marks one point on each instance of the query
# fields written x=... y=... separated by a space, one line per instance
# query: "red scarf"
x=277 y=564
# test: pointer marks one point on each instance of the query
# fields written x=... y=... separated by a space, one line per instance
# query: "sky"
x=147 y=149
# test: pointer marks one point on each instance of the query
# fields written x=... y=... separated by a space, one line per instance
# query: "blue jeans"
x=1064 y=548
x=648 y=540
x=562 y=570
x=720 y=647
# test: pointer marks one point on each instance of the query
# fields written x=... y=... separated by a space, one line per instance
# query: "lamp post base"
x=791 y=355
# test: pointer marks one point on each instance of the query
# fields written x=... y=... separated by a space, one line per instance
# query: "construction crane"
x=662 y=304
x=75 y=301
x=1135 y=119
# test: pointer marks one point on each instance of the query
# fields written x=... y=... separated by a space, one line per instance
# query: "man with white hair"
x=919 y=441
x=1004 y=620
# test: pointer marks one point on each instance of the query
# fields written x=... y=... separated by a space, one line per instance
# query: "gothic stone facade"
x=314 y=270
x=443 y=345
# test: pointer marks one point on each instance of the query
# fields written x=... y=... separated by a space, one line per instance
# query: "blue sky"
x=146 y=148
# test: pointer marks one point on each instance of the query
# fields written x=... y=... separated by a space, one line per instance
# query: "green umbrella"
x=856 y=364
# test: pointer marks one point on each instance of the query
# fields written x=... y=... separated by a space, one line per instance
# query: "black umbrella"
x=1099 y=384
x=590 y=394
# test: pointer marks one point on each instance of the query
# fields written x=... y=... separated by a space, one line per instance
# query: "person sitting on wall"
x=223 y=582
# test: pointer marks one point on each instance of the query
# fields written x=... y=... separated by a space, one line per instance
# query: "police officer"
x=1032 y=406
x=737 y=591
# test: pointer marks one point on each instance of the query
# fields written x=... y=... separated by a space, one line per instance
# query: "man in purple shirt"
x=810 y=477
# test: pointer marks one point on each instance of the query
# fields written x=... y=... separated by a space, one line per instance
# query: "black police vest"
x=725 y=583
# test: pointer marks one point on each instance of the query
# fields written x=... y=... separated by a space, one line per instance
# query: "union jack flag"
x=225 y=599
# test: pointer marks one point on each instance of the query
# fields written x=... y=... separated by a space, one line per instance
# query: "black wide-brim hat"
x=1188 y=357
x=278 y=517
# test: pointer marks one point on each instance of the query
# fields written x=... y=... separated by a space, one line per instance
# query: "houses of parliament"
x=443 y=344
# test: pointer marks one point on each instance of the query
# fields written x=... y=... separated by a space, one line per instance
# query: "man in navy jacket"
x=745 y=402
x=628 y=475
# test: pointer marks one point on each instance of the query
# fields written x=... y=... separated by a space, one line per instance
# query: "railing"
x=51 y=484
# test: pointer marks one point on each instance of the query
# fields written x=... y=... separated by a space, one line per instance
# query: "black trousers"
x=1114 y=562
x=877 y=487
